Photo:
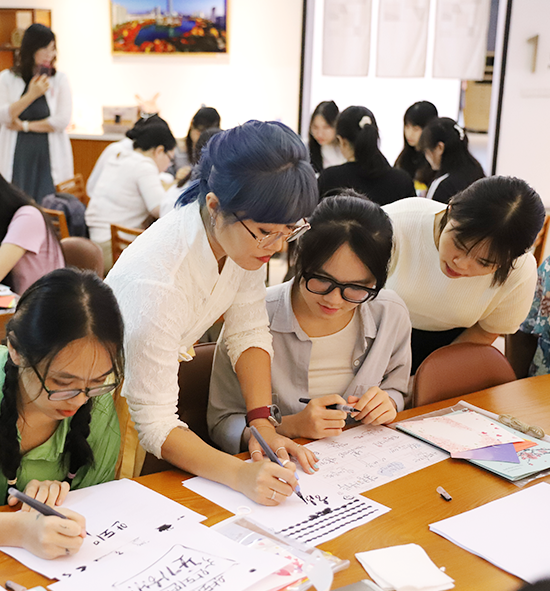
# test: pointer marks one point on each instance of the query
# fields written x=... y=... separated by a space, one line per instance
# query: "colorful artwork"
x=169 y=26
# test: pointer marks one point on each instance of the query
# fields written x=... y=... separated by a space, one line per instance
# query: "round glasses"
x=270 y=239
x=355 y=294
x=68 y=394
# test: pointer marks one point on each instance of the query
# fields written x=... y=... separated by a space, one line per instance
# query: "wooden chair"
x=194 y=383
x=539 y=245
x=120 y=240
x=460 y=369
x=83 y=253
x=5 y=317
x=59 y=222
x=76 y=187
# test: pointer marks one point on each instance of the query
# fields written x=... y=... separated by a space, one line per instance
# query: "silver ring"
x=256 y=451
x=273 y=495
x=67 y=552
x=279 y=449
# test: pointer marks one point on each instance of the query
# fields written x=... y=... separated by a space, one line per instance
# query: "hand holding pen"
x=322 y=417
x=373 y=406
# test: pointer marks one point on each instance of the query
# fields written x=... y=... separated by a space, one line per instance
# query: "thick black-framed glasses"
x=355 y=294
x=272 y=237
x=68 y=394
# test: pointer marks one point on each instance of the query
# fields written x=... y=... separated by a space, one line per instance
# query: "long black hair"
x=456 y=157
x=204 y=118
x=328 y=110
x=503 y=211
x=201 y=142
x=36 y=37
x=348 y=218
x=358 y=126
x=411 y=159
x=11 y=199
x=59 y=308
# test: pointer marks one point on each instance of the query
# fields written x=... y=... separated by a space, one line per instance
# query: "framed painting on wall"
x=169 y=26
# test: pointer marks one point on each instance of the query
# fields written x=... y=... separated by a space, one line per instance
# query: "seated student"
x=323 y=145
x=464 y=270
x=445 y=146
x=129 y=190
x=204 y=118
x=58 y=425
x=366 y=170
x=411 y=159
x=29 y=246
x=337 y=335
x=529 y=348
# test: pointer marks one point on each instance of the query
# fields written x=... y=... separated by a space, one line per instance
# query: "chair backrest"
x=59 y=222
x=194 y=384
x=540 y=241
x=76 y=187
x=460 y=369
x=5 y=317
x=119 y=241
x=83 y=253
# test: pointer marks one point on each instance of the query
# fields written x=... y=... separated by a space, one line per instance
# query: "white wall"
x=387 y=98
x=258 y=79
x=525 y=121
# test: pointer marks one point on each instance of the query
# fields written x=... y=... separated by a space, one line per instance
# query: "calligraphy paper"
x=116 y=513
x=365 y=457
x=325 y=514
x=460 y=431
x=493 y=453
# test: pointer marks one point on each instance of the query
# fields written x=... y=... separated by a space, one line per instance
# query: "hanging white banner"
x=460 y=46
x=346 y=37
x=402 y=38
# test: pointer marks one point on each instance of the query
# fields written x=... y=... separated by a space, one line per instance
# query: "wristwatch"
x=271 y=413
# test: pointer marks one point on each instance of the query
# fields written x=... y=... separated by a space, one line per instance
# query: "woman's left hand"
x=16 y=125
x=375 y=406
x=282 y=446
x=50 y=492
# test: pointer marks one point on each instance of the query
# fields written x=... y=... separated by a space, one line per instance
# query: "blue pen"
x=344 y=407
x=273 y=457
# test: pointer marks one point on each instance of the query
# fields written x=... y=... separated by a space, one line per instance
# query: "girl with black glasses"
x=338 y=336
x=58 y=425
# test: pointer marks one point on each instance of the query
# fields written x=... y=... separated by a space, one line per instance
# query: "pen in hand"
x=272 y=456
x=344 y=407
x=35 y=504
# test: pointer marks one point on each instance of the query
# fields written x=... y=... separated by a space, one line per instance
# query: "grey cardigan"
x=382 y=357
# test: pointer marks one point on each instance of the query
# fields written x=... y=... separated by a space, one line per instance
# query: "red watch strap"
x=262 y=412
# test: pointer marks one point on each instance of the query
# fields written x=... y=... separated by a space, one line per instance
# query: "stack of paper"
x=404 y=567
x=512 y=532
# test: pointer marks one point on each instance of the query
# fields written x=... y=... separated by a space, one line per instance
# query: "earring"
x=212 y=222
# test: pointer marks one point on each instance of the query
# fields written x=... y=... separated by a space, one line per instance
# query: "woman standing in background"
x=35 y=110
x=324 y=150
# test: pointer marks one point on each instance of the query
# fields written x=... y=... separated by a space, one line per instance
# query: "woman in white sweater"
x=203 y=259
x=464 y=270
x=35 y=110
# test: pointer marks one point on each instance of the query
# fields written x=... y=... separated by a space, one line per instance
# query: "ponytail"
x=10 y=452
x=77 y=448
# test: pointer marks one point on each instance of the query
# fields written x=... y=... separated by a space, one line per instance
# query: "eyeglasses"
x=68 y=394
x=355 y=294
x=269 y=239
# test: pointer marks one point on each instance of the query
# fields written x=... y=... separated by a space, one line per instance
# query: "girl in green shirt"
x=58 y=425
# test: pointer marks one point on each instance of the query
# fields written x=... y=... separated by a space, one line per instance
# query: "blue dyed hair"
x=259 y=170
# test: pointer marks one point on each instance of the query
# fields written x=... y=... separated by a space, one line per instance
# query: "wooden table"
x=413 y=499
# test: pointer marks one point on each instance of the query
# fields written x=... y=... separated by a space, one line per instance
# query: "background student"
x=204 y=118
x=129 y=190
x=29 y=245
x=58 y=425
x=35 y=110
x=411 y=159
x=324 y=150
x=203 y=259
x=464 y=270
x=337 y=334
x=366 y=170
x=445 y=146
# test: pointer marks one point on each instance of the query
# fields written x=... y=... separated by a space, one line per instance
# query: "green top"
x=43 y=462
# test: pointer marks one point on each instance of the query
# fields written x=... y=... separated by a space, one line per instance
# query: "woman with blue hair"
x=205 y=259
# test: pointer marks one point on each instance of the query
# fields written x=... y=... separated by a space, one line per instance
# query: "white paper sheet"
x=511 y=532
x=365 y=457
x=325 y=516
x=116 y=512
x=406 y=21
x=416 y=570
x=188 y=556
